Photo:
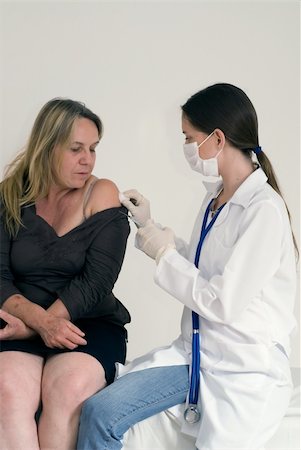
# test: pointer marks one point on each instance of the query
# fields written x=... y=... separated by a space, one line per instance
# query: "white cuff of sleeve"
x=164 y=250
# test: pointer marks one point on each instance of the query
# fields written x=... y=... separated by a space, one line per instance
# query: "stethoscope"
x=192 y=413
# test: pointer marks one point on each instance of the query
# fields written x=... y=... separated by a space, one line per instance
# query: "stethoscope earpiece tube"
x=192 y=413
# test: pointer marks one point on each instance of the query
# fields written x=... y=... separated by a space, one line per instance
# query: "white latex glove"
x=138 y=206
x=155 y=241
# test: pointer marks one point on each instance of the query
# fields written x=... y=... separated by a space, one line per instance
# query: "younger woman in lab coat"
x=240 y=282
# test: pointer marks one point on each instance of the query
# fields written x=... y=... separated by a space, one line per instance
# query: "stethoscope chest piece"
x=192 y=414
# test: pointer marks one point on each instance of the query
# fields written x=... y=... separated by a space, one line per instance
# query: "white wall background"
x=135 y=63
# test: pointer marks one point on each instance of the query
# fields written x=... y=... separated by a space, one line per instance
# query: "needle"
x=131 y=218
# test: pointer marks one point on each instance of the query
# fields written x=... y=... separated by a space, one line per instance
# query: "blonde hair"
x=30 y=174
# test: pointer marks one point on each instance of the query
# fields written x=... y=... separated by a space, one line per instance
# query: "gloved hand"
x=155 y=241
x=139 y=207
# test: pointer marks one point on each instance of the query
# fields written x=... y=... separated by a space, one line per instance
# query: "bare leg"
x=68 y=380
x=20 y=387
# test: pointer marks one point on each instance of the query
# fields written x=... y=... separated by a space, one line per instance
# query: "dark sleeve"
x=7 y=286
x=104 y=259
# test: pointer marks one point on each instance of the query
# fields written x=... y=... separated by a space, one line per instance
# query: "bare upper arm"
x=104 y=195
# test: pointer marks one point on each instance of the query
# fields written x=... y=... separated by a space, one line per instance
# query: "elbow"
x=229 y=318
x=223 y=313
x=229 y=313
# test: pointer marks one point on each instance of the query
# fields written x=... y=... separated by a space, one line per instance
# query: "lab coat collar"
x=213 y=187
x=246 y=190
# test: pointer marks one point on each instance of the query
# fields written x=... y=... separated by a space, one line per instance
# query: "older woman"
x=63 y=239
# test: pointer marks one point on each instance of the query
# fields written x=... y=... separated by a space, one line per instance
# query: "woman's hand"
x=138 y=206
x=15 y=328
x=58 y=332
x=154 y=241
x=55 y=331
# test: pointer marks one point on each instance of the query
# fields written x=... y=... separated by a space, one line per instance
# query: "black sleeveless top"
x=80 y=267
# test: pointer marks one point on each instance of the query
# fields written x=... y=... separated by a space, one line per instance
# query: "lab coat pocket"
x=236 y=357
x=216 y=254
x=226 y=237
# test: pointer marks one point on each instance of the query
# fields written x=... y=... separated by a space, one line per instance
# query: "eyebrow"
x=81 y=143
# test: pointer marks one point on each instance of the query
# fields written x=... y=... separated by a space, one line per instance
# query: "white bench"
x=162 y=432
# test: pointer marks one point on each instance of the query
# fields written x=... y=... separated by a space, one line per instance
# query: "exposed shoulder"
x=103 y=195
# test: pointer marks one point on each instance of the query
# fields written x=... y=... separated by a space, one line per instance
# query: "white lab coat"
x=244 y=292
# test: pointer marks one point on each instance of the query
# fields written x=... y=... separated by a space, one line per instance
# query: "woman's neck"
x=234 y=175
x=55 y=195
x=230 y=185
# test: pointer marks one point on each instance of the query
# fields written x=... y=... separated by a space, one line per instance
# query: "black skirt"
x=105 y=341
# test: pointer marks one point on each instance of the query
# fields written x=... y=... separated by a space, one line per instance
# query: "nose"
x=86 y=157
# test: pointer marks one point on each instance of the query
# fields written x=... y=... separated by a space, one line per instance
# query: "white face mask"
x=207 y=167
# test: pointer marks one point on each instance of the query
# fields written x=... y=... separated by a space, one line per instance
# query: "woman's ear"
x=220 y=137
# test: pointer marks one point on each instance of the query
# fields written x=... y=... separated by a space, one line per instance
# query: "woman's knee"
x=91 y=408
x=9 y=388
x=19 y=388
x=101 y=411
x=67 y=390
x=96 y=420
x=97 y=416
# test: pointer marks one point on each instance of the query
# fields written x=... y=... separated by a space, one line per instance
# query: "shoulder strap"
x=87 y=196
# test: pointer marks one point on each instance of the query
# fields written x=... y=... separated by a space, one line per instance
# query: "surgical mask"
x=207 y=167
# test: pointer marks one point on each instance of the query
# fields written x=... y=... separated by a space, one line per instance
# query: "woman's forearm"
x=58 y=309
x=15 y=328
x=30 y=313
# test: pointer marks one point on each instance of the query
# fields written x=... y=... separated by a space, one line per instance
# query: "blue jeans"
x=107 y=415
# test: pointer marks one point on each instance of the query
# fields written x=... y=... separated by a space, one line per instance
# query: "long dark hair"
x=228 y=108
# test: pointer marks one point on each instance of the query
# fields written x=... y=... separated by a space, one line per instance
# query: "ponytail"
x=267 y=167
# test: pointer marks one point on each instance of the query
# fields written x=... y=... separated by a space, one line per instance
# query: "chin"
x=80 y=182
